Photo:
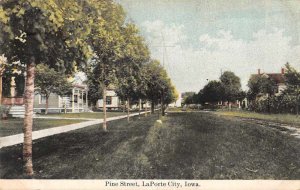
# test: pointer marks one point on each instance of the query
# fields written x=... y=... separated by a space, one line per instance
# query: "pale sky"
x=205 y=37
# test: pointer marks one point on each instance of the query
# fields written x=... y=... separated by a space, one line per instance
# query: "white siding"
x=114 y=100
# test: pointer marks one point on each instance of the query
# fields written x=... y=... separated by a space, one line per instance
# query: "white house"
x=76 y=102
x=112 y=101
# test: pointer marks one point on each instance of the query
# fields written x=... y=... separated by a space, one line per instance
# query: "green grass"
x=280 y=118
x=175 y=109
x=180 y=109
x=14 y=125
x=185 y=146
x=88 y=115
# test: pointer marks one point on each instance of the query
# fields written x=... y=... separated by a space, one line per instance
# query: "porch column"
x=13 y=90
x=86 y=99
x=82 y=106
x=78 y=93
x=73 y=91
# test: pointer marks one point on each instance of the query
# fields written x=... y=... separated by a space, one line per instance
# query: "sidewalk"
x=17 y=139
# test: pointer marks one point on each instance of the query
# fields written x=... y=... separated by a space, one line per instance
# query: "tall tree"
x=159 y=86
x=260 y=85
x=50 y=32
x=232 y=86
x=212 y=92
x=106 y=41
x=50 y=81
x=292 y=77
x=129 y=72
x=170 y=95
x=153 y=69
x=94 y=86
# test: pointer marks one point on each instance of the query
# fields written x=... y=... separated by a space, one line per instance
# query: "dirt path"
x=284 y=128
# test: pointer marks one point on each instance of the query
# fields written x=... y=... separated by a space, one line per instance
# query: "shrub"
x=3 y=111
x=276 y=104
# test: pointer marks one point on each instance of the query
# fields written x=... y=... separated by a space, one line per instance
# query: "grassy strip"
x=88 y=115
x=184 y=146
x=175 y=109
x=87 y=153
x=203 y=146
x=280 y=118
x=14 y=126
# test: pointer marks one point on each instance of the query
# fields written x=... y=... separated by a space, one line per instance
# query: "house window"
x=108 y=100
x=75 y=98
x=42 y=99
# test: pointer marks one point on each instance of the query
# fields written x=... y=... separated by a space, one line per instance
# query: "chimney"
x=282 y=71
x=258 y=71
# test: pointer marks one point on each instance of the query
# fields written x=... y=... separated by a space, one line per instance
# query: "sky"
x=197 y=40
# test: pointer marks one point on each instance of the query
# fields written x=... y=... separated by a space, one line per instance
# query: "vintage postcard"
x=150 y=94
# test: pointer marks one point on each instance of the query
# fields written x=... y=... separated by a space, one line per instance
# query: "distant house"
x=75 y=102
x=278 y=78
x=113 y=102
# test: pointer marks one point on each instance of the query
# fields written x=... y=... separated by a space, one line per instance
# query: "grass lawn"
x=186 y=146
x=14 y=126
x=89 y=115
x=175 y=109
x=280 y=118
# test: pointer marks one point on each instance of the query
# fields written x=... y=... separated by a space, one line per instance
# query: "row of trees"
x=226 y=89
x=84 y=35
x=263 y=94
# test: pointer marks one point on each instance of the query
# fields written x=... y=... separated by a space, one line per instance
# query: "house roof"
x=278 y=78
x=79 y=86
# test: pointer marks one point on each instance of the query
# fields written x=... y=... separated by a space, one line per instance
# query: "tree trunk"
x=0 y=88
x=124 y=106
x=162 y=105
x=47 y=105
x=27 y=128
x=297 y=101
x=152 y=106
x=269 y=107
x=104 y=109
x=297 y=105
x=140 y=107
x=128 y=107
x=146 y=110
x=158 y=112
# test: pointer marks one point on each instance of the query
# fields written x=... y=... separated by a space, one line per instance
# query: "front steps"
x=17 y=111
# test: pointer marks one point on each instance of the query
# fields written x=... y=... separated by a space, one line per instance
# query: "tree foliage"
x=231 y=85
x=159 y=86
x=129 y=73
x=44 y=31
x=260 y=84
x=49 y=81
x=52 y=32
x=212 y=92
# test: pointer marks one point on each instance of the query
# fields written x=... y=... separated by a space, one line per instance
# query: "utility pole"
x=164 y=46
x=297 y=100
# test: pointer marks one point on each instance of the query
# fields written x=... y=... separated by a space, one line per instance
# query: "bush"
x=3 y=111
x=276 y=104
